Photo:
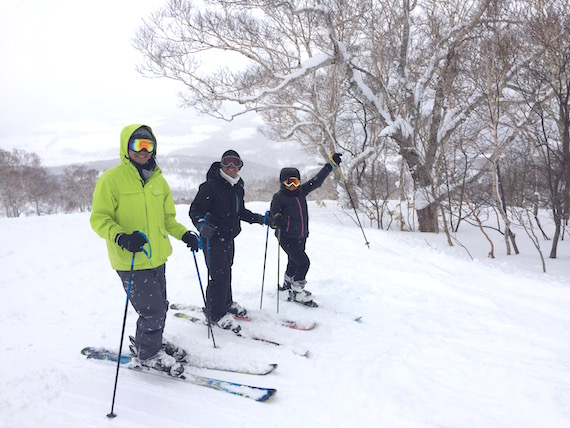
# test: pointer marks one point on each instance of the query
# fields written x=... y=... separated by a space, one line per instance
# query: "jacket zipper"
x=301 y=216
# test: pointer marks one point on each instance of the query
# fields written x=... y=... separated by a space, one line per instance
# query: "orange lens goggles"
x=292 y=181
x=139 y=144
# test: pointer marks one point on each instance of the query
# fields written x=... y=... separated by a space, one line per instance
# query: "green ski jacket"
x=124 y=203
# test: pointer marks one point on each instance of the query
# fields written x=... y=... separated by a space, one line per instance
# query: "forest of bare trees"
x=27 y=187
x=464 y=104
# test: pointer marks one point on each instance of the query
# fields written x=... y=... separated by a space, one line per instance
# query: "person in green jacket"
x=134 y=212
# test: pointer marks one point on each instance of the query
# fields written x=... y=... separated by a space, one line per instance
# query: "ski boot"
x=171 y=349
x=287 y=282
x=298 y=294
x=161 y=361
x=227 y=322
x=237 y=310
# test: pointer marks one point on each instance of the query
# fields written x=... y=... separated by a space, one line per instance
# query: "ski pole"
x=112 y=414
x=352 y=203
x=149 y=255
x=278 y=263
x=210 y=331
x=264 y=263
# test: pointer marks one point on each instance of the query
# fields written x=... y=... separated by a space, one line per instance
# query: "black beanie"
x=289 y=172
x=142 y=132
x=231 y=153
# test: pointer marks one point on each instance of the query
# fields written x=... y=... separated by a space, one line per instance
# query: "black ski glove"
x=263 y=219
x=258 y=218
x=132 y=242
x=191 y=241
x=207 y=230
x=336 y=159
x=268 y=219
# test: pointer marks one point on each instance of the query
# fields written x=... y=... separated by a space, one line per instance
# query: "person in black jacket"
x=291 y=218
x=217 y=211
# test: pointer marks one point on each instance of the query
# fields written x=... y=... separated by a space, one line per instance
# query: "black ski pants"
x=148 y=297
x=219 y=256
x=298 y=262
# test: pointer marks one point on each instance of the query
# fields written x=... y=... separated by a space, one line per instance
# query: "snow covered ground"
x=444 y=341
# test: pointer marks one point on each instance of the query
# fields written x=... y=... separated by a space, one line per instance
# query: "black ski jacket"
x=292 y=205
x=223 y=204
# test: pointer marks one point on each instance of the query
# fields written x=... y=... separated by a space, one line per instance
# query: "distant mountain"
x=185 y=173
x=181 y=164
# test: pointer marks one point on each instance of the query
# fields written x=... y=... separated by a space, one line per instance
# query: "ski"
x=309 y=304
x=126 y=361
x=259 y=370
x=188 y=317
x=295 y=325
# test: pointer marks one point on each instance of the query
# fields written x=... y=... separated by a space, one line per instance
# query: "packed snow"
x=444 y=340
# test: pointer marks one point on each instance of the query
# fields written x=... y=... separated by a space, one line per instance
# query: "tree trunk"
x=555 y=239
x=427 y=218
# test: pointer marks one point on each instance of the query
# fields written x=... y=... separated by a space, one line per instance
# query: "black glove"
x=268 y=219
x=206 y=229
x=191 y=241
x=132 y=242
x=335 y=158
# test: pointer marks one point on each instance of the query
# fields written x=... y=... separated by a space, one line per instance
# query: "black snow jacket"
x=292 y=204
x=223 y=204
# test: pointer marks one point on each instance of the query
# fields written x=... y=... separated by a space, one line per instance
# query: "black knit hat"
x=289 y=172
x=233 y=157
x=142 y=132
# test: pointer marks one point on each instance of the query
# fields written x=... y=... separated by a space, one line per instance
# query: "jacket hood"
x=126 y=134
x=214 y=171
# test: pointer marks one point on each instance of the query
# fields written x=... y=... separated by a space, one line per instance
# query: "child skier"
x=291 y=219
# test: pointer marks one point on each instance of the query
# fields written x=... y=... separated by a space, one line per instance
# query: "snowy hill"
x=444 y=341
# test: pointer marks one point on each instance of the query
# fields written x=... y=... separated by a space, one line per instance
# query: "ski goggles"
x=139 y=144
x=292 y=181
x=229 y=161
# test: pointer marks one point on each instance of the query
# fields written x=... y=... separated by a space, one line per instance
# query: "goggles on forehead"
x=234 y=161
x=139 y=144
x=292 y=181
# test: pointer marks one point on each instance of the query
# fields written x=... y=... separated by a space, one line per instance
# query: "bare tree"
x=78 y=183
x=545 y=84
x=319 y=72
x=20 y=175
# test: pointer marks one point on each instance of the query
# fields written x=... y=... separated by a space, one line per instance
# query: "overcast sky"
x=68 y=85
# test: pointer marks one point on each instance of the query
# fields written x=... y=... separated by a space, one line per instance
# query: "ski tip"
x=301 y=352
x=299 y=326
x=270 y=393
x=88 y=351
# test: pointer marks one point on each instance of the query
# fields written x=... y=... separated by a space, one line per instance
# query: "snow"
x=444 y=341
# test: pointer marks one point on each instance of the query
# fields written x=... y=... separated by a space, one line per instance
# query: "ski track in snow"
x=444 y=341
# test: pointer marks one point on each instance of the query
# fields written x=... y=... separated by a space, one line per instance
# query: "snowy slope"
x=444 y=341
